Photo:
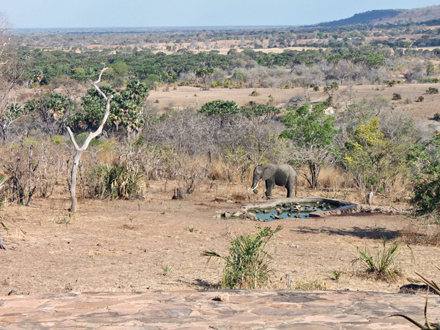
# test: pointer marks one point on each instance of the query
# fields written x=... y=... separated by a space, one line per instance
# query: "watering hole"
x=295 y=208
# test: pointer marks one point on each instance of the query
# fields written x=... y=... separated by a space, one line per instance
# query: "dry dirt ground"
x=140 y=245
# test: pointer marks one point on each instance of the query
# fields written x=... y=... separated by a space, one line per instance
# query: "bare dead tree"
x=90 y=137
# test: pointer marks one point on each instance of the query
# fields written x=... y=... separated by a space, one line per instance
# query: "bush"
x=426 y=198
x=396 y=97
x=381 y=261
x=430 y=80
x=432 y=90
x=247 y=265
x=390 y=83
x=437 y=116
x=32 y=168
x=420 y=99
x=220 y=108
x=114 y=181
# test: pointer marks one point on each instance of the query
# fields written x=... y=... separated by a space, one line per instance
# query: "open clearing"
x=140 y=245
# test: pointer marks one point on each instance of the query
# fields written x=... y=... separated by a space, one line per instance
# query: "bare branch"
x=95 y=83
x=72 y=138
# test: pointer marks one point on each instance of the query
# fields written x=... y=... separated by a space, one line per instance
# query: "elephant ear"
x=268 y=172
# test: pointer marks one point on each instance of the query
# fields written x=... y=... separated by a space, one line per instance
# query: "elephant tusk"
x=256 y=186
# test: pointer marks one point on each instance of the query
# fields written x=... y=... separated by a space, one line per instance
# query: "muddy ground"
x=155 y=243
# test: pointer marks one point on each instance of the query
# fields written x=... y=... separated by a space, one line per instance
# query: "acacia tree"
x=311 y=132
x=90 y=137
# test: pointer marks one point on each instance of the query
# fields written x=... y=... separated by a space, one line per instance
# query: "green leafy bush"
x=312 y=133
x=247 y=265
x=220 y=108
x=432 y=90
x=259 y=110
x=426 y=198
x=396 y=97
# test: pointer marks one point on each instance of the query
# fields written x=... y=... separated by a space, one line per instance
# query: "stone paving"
x=233 y=309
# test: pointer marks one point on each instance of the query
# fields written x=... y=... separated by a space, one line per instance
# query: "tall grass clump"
x=381 y=261
x=247 y=265
x=114 y=181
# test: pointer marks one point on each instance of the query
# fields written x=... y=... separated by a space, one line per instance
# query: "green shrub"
x=437 y=116
x=381 y=261
x=247 y=265
x=432 y=90
x=114 y=181
x=426 y=198
x=420 y=98
x=220 y=108
x=396 y=97
x=390 y=83
x=430 y=80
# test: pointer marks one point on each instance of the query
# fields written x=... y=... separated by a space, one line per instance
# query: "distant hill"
x=389 y=16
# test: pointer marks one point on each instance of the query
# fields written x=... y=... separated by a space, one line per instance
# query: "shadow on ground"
x=201 y=284
x=372 y=233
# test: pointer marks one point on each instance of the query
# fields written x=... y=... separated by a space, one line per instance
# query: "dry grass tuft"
x=333 y=178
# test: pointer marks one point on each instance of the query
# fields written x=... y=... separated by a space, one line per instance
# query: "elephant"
x=280 y=175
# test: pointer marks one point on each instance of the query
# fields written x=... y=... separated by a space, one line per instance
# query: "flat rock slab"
x=232 y=309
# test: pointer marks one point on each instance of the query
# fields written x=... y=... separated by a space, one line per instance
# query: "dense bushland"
x=249 y=68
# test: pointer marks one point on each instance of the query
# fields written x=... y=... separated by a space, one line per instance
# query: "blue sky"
x=149 y=13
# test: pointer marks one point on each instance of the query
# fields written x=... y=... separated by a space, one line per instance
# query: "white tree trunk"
x=80 y=150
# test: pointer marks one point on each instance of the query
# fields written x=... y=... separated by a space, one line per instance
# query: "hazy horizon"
x=93 y=14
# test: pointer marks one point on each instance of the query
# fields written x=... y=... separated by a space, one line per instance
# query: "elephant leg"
x=289 y=187
x=269 y=186
x=291 y=184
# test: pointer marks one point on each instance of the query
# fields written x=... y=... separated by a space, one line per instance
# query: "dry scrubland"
x=155 y=242
x=140 y=245
x=184 y=96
